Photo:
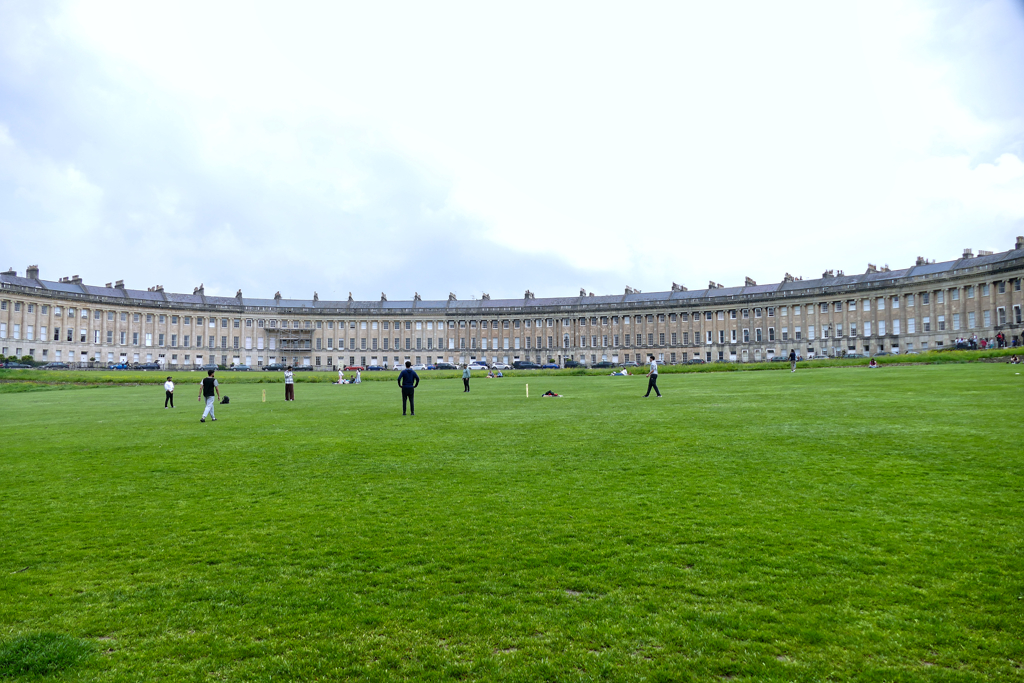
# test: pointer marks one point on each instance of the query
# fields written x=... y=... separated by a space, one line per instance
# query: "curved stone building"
x=927 y=306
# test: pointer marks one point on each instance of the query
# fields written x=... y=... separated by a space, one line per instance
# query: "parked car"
x=634 y=364
x=549 y=366
x=302 y=368
x=240 y=368
x=375 y=368
x=603 y=364
x=11 y=365
x=699 y=361
x=145 y=367
x=570 y=364
x=353 y=368
x=211 y=366
x=882 y=353
x=56 y=366
x=501 y=366
x=478 y=365
x=420 y=367
x=275 y=367
x=119 y=366
x=855 y=355
x=446 y=366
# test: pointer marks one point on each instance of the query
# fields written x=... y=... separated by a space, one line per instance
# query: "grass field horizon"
x=829 y=524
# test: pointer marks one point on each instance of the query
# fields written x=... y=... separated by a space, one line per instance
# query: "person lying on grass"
x=546 y=394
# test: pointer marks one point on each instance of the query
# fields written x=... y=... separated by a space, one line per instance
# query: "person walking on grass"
x=207 y=389
x=408 y=380
x=169 y=392
x=652 y=383
x=465 y=379
x=289 y=385
x=792 y=360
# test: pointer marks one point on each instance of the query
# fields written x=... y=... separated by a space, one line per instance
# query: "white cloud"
x=641 y=146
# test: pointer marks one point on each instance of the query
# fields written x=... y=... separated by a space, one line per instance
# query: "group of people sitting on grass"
x=491 y=374
x=341 y=378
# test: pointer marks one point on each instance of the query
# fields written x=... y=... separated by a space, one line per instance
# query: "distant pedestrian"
x=465 y=379
x=408 y=380
x=792 y=360
x=358 y=379
x=169 y=393
x=652 y=382
x=289 y=384
x=341 y=376
x=207 y=389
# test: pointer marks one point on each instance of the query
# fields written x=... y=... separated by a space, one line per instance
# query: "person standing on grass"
x=408 y=380
x=465 y=379
x=207 y=388
x=289 y=384
x=169 y=392
x=652 y=382
x=792 y=360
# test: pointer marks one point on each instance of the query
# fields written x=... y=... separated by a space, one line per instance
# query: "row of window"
x=880 y=303
x=827 y=331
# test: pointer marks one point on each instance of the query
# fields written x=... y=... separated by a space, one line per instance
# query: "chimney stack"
x=749 y=283
x=451 y=296
x=968 y=253
x=486 y=296
x=75 y=280
x=1020 y=242
x=416 y=297
x=120 y=284
x=32 y=272
x=10 y=271
x=529 y=295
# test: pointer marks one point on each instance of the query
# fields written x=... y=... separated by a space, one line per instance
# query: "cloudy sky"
x=485 y=147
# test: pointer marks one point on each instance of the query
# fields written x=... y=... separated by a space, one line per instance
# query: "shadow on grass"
x=41 y=654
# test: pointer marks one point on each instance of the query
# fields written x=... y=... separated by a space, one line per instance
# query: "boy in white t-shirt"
x=169 y=393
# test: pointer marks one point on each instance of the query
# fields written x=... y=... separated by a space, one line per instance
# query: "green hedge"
x=181 y=377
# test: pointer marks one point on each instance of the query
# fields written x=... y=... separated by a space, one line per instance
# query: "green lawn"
x=833 y=524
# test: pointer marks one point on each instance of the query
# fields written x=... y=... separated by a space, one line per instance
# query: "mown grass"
x=830 y=524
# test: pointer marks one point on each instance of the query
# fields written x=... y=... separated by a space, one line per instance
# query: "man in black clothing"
x=408 y=380
x=792 y=360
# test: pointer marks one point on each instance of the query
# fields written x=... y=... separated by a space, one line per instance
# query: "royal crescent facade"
x=927 y=306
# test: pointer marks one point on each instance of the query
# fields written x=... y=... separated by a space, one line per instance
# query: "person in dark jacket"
x=408 y=380
x=792 y=360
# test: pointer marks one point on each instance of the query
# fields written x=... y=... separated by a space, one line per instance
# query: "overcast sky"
x=486 y=147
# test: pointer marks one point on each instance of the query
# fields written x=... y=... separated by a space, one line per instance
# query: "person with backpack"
x=207 y=389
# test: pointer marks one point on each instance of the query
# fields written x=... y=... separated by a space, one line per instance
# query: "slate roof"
x=467 y=306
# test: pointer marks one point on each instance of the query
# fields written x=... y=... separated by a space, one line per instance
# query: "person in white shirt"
x=652 y=383
x=289 y=385
x=169 y=393
x=341 y=376
x=358 y=380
